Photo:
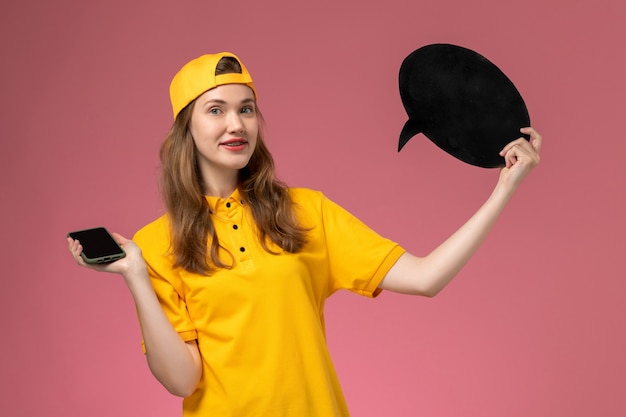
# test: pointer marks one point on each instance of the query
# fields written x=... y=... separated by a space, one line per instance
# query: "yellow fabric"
x=260 y=325
x=198 y=76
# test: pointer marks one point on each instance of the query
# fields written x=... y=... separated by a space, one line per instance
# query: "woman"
x=230 y=283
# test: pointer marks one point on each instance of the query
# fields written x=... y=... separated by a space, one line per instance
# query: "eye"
x=215 y=110
x=247 y=110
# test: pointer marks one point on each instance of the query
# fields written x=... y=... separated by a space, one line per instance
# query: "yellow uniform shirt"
x=260 y=325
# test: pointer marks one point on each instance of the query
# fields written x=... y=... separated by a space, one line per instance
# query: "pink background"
x=533 y=326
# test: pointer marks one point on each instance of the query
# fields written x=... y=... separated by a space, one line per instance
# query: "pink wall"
x=534 y=326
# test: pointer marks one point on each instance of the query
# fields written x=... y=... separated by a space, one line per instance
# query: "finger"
x=72 y=245
x=76 y=249
x=511 y=145
x=510 y=157
x=119 y=238
x=521 y=143
x=535 y=138
x=522 y=154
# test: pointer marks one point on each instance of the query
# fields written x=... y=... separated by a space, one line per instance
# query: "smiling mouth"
x=235 y=142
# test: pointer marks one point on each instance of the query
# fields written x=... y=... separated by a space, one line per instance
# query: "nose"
x=235 y=124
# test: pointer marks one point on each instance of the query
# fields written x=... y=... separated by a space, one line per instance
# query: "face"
x=224 y=125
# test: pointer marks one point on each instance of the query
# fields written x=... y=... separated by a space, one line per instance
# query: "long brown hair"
x=182 y=189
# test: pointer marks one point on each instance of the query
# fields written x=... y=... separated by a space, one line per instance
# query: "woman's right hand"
x=130 y=265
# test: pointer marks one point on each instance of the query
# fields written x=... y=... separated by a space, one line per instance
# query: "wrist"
x=502 y=193
x=137 y=277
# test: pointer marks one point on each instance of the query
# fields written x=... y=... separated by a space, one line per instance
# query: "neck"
x=220 y=187
x=222 y=192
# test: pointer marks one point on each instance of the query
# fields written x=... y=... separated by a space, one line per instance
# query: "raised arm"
x=428 y=275
x=175 y=363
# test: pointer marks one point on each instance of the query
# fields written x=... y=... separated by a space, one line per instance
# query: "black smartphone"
x=98 y=245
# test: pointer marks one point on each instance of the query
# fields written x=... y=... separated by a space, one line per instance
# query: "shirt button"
x=228 y=204
x=235 y=227
x=242 y=249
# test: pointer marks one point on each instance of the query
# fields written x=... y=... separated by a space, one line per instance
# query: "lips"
x=235 y=144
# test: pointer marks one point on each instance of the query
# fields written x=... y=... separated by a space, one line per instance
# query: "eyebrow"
x=220 y=101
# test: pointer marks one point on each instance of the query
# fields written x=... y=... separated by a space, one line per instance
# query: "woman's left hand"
x=520 y=157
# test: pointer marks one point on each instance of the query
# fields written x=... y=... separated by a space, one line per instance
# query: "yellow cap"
x=198 y=76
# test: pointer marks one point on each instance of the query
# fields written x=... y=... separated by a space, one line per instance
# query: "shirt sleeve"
x=166 y=281
x=358 y=257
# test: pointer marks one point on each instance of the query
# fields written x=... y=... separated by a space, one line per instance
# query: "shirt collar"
x=218 y=204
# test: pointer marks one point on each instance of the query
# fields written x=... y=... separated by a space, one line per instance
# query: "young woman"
x=230 y=283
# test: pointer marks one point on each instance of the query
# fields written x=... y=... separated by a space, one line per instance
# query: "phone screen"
x=98 y=245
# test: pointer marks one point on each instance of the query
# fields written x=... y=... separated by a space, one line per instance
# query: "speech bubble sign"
x=461 y=102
